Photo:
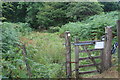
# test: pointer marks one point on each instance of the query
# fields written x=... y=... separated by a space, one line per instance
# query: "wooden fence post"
x=68 y=54
x=24 y=52
x=118 y=34
x=76 y=59
x=106 y=56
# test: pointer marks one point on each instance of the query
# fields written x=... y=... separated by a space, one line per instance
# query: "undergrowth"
x=45 y=51
x=93 y=27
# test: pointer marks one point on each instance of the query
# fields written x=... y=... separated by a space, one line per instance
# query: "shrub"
x=47 y=51
x=93 y=26
x=80 y=11
x=23 y=28
x=110 y=6
x=47 y=48
x=54 y=29
x=13 y=64
x=9 y=36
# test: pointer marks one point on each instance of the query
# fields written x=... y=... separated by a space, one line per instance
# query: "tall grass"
x=45 y=52
x=47 y=49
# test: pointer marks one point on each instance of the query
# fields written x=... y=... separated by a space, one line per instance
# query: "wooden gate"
x=82 y=47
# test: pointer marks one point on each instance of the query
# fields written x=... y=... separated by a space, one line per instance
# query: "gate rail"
x=105 y=54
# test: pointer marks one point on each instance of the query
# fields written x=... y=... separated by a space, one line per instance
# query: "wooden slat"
x=90 y=50
x=92 y=42
x=89 y=41
x=86 y=72
x=86 y=58
x=83 y=44
x=92 y=59
x=87 y=65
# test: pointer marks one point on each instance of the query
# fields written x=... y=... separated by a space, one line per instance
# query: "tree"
x=14 y=11
x=32 y=11
x=52 y=14
x=80 y=11
x=44 y=15
x=110 y=6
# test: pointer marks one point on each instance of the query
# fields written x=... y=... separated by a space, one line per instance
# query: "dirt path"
x=111 y=73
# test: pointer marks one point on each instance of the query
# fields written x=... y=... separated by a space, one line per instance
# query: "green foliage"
x=93 y=26
x=45 y=56
x=54 y=29
x=110 y=6
x=9 y=35
x=56 y=70
x=12 y=63
x=45 y=52
x=15 y=29
x=80 y=11
x=22 y=28
x=32 y=11
x=52 y=14
x=44 y=15
x=47 y=48
x=14 y=11
x=57 y=14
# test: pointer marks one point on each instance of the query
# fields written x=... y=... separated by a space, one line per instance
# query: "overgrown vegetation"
x=44 y=52
x=39 y=26
x=94 y=25
x=12 y=64
x=47 y=49
x=44 y=15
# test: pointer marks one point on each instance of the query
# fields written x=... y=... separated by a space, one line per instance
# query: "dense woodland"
x=38 y=29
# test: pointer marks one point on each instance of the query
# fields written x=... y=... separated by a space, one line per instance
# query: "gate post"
x=76 y=59
x=68 y=54
x=118 y=34
x=106 y=56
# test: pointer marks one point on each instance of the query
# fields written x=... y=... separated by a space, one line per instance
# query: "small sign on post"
x=68 y=34
x=99 y=45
